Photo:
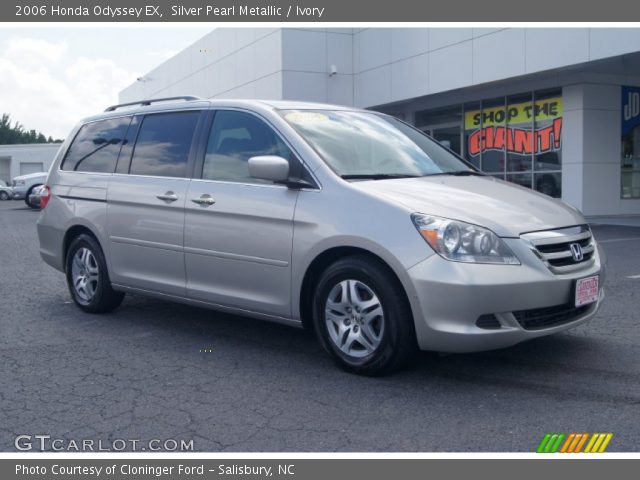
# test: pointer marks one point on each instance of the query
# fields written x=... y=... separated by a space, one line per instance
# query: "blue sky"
x=52 y=77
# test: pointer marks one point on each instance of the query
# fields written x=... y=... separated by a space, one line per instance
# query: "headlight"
x=463 y=242
x=18 y=182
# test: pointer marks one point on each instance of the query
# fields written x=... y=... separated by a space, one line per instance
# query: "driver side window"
x=235 y=137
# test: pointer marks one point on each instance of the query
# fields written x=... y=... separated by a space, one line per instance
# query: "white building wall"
x=256 y=63
x=307 y=58
x=374 y=66
x=15 y=155
x=399 y=64
x=228 y=62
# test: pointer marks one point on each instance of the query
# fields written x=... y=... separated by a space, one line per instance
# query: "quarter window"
x=96 y=146
x=163 y=144
x=236 y=137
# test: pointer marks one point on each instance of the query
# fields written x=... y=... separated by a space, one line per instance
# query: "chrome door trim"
x=146 y=243
x=236 y=256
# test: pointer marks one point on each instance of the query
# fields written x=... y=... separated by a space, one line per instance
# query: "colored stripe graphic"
x=565 y=447
x=581 y=443
x=554 y=442
x=556 y=445
x=550 y=443
x=591 y=442
x=543 y=443
x=598 y=442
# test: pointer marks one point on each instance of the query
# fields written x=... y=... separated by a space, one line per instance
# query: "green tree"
x=16 y=133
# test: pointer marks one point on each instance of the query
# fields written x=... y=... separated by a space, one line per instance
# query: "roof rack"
x=144 y=103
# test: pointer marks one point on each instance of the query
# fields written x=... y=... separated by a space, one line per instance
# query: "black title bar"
x=318 y=11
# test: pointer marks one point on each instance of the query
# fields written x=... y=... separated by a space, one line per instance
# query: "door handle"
x=204 y=201
x=168 y=197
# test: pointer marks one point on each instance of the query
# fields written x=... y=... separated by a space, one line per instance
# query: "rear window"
x=96 y=146
x=163 y=144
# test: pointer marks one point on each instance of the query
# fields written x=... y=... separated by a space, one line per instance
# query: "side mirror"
x=269 y=167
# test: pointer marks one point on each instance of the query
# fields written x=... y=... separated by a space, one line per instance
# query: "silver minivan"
x=348 y=222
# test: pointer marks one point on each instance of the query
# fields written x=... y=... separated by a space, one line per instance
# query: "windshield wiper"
x=377 y=176
x=459 y=173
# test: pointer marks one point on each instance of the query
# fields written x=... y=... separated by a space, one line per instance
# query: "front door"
x=238 y=229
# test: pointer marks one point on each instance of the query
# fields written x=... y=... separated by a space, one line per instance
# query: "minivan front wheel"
x=87 y=277
x=362 y=317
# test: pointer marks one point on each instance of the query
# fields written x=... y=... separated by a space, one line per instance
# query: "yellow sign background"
x=548 y=109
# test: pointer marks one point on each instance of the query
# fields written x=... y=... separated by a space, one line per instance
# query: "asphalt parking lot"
x=155 y=370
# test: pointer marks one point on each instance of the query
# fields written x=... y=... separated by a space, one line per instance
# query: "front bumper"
x=19 y=193
x=448 y=298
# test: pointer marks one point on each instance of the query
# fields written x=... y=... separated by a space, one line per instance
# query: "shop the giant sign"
x=511 y=127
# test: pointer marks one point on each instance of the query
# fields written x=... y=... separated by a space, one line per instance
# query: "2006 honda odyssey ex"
x=347 y=221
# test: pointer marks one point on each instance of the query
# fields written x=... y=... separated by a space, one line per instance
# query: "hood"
x=30 y=175
x=503 y=207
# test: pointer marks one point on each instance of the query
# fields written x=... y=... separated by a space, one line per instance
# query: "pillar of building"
x=591 y=148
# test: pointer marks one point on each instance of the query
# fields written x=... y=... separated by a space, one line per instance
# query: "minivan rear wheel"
x=87 y=277
x=362 y=317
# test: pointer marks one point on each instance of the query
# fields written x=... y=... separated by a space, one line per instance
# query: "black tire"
x=104 y=298
x=4 y=195
x=397 y=340
x=26 y=198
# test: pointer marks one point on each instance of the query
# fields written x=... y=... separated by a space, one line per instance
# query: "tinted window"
x=163 y=144
x=235 y=138
x=96 y=146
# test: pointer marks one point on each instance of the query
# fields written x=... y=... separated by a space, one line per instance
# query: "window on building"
x=163 y=144
x=472 y=124
x=519 y=139
x=444 y=125
x=547 y=165
x=630 y=174
x=235 y=138
x=96 y=146
x=515 y=138
x=491 y=138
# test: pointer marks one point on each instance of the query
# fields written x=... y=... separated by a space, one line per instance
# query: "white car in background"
x=23 y=186
x=6 y=192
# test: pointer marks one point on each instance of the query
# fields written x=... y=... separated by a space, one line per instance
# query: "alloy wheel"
x=85 y=274
x=354 y=318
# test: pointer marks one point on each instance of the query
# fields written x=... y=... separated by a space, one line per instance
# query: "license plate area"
x=587 y=290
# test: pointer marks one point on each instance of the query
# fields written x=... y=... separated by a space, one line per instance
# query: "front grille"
x=547 y=317
x=554 y=248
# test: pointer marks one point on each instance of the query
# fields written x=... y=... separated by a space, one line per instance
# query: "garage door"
x=5 y=164
x=31 y=167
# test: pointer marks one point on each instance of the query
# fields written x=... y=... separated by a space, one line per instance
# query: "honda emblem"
x=576 y=252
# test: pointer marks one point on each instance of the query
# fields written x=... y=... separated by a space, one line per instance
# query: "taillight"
x=45 y=196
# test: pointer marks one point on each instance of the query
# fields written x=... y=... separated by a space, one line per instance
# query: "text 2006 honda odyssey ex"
x=347 y=221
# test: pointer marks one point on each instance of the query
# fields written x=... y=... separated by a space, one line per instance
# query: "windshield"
x=369 y=145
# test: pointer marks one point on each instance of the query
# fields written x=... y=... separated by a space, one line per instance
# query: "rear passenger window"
x=96 y=146
x=163 y=144
x=235 y=138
